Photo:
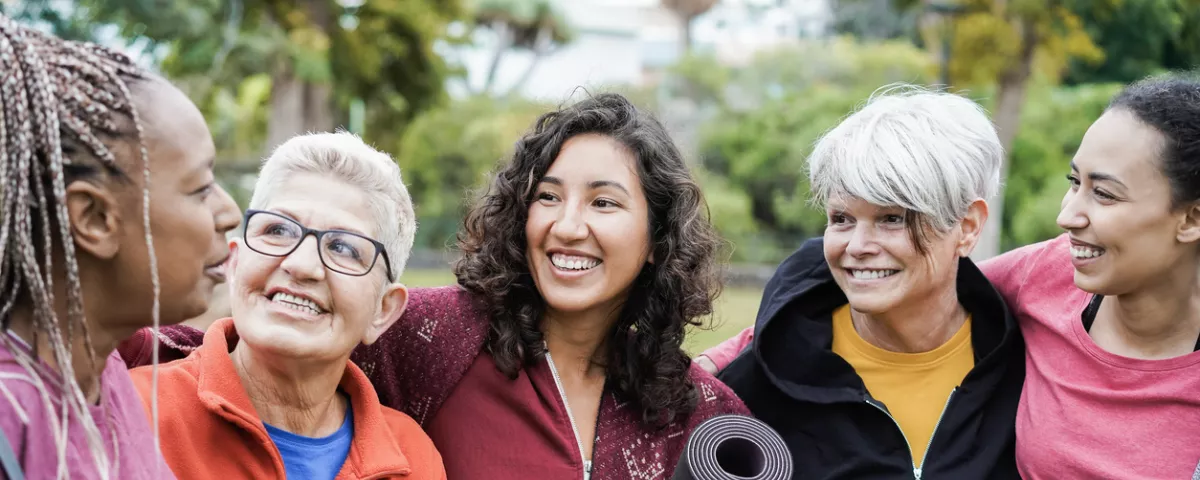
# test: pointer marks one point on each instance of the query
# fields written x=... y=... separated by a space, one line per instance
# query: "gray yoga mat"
x=734 y=447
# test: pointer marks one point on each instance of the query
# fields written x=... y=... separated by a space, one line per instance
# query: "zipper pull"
x=917 y=473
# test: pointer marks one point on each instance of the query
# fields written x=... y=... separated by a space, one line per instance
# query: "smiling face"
x=294 y=306
x=189 y=212
x=1124 y=231
x=873 y=258
x=588 y=227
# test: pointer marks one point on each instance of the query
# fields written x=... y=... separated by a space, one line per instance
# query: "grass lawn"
x=735 y=309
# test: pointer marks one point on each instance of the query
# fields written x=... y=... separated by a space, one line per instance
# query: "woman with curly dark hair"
x=559 y=353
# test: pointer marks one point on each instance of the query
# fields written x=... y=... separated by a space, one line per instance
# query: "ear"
x=235 y=247
x=972 y=227
x=95 y=219
x=392 y=306
x=1189 y=225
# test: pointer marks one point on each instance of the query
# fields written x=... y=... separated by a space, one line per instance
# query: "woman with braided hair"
x=95 y=156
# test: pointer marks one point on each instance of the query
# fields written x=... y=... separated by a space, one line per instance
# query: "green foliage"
x=447 y=152
x=1140 y=38
x=769 y=115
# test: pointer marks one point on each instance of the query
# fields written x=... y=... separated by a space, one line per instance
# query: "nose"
x=862 y=240
x=226 y=214
x=1073 y=215
x=304 y=263
x=571 y=224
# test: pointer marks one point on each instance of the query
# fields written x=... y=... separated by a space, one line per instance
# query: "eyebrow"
x=592 y=185
x=1100 y=177
x=292 y=217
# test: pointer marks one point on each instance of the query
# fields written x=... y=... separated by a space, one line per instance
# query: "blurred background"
x=745 y=86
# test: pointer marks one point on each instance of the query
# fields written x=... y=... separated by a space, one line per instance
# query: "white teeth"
x=296 y=303
x=568 y=262
x=1086 y=252
x=873 y=274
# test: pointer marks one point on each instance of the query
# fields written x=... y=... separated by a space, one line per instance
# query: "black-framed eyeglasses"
x=347 y=253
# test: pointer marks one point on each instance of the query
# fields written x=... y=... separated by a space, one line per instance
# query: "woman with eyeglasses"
x=271 y=393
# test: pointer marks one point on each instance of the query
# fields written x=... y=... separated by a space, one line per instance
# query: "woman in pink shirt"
x=97 y=160
x=1110 y=310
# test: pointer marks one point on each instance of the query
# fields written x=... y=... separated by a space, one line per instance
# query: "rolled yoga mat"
x=734 y=447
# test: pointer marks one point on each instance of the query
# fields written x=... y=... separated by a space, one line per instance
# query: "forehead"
x=589 y=157
x=176 y=136
x=1119 y=144
x=322 y=203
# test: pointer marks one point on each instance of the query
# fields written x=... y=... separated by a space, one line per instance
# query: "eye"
x=838 y=219
x=1073 y=180
x=344 y=248
x=604 y=203
x=1103 y=195
x=546 y=197
x=203 y=192
x=893 y=219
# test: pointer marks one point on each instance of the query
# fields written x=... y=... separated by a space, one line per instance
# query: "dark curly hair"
x=1171 y=105
x=645 y=363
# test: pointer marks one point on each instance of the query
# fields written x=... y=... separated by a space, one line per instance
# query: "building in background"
x=627 y=42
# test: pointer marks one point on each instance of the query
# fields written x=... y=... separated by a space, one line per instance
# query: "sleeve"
x=417 y=362
x=1010 y=271
x=174 y=342
x=722 y=354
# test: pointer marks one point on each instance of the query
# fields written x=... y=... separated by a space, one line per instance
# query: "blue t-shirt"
x=307 y=458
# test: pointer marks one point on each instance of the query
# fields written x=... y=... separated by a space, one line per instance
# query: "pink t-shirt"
x=1085 y=412
x=120 y=417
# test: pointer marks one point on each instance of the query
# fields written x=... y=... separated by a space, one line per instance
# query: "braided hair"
x=59 y=102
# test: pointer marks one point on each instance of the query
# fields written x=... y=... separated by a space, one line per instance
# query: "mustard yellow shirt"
x=913 y=386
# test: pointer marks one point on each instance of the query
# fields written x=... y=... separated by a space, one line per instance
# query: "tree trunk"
x=287 y=107
x=298 y=106
x=503 y=43
x=685 y=34
x=1010 y=98
x=541 y=48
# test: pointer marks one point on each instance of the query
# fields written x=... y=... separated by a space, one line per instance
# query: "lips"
x=216 y=271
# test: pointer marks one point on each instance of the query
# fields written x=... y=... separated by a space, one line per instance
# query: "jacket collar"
x=796 y=354
x=373 y=450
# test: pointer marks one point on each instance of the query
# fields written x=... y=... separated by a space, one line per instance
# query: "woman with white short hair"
x=272 y=393
x=880 y=350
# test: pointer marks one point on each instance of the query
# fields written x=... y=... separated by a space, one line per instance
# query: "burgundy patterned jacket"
x=417 y=363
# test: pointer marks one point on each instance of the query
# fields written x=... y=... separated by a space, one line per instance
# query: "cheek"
x=536 y=226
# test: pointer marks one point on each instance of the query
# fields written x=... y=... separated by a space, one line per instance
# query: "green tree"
x=447 y=152
x=533 y=25
x=319 y=54
x=687 y=11
x=1140 y=38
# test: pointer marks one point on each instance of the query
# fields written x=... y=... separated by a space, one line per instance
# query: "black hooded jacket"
x=790 y=378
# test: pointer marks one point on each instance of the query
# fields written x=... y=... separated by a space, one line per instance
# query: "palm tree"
x=686 y=11
x=534 y=25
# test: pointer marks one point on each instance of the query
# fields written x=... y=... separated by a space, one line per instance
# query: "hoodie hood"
x=793 y=334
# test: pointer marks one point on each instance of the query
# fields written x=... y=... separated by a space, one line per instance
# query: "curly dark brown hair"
x=645 y=363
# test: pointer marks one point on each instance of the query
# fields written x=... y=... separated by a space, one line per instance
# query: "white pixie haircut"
x=929 y=152
x=345 y=157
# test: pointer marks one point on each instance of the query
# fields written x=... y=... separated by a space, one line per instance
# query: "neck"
x=916 y=328
x=297 y=396
x=1159 y=321
x=577 y=341
x=87 y=368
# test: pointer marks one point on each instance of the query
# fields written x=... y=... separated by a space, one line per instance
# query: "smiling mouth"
x=870 y=274
x=294 y=302
x=573 y=262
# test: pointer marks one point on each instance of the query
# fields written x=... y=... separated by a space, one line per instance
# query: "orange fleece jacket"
x=210 y=430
